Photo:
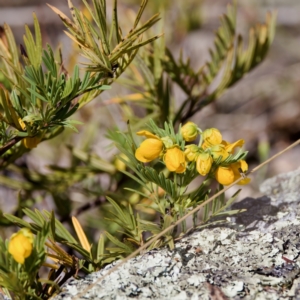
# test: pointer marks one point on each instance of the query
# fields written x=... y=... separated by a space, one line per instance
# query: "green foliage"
x=38 y=96
x=43 y=94
x=109 y=53
x=229 y=62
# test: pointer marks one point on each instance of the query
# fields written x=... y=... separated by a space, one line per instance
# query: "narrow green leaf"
x=79 y=249
x=121 y=215
x=140 y=12
x=61 y=231
x=114 y=240
x=100 y=247
x=17 y=221
x=33 y=92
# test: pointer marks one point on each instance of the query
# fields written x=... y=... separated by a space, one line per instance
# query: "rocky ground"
x=252 y=256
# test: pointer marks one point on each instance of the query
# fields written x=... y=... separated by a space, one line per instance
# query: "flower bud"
x=224 y=175
x=31 y=142
x=119 y=163
x=189 y=131
x=175 y=160
x=20 y=245
x=191 y=152
x=203 y=163
x=212 y=136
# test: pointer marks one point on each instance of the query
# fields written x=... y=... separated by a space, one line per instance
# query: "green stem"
x=175 y=181
x=201 y=137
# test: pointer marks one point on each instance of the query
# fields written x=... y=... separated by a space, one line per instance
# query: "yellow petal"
x=244 y=181
x=22 y=124
x=149 y=150
x=31 y=142
x=205 y=145
x=147 y=134
x=244 y=167
x=225 y=143
x=224 y=175
x=230 y=147
x=181 y=168
x=175 y=160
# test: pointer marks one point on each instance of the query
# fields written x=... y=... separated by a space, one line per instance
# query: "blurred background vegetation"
x=63 y=174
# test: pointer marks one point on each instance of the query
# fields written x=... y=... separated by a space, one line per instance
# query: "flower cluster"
x=212 y=156
x=154 y=147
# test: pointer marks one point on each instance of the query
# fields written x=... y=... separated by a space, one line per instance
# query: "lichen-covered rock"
x=255 y=256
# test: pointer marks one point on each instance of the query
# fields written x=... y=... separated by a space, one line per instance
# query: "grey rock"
x=254 y=256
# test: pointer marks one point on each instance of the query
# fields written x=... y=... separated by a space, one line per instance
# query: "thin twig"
x=274 y=156
x=10 y=144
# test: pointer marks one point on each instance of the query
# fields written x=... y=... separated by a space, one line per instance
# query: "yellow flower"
x=175 y=160
x=20 y=245
x=31 y=142
x=203 y=163
x=224 y=175
x=189 y=131
x=191 y=152
x=227 y=175
x=149 y=149
x=211 y=136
